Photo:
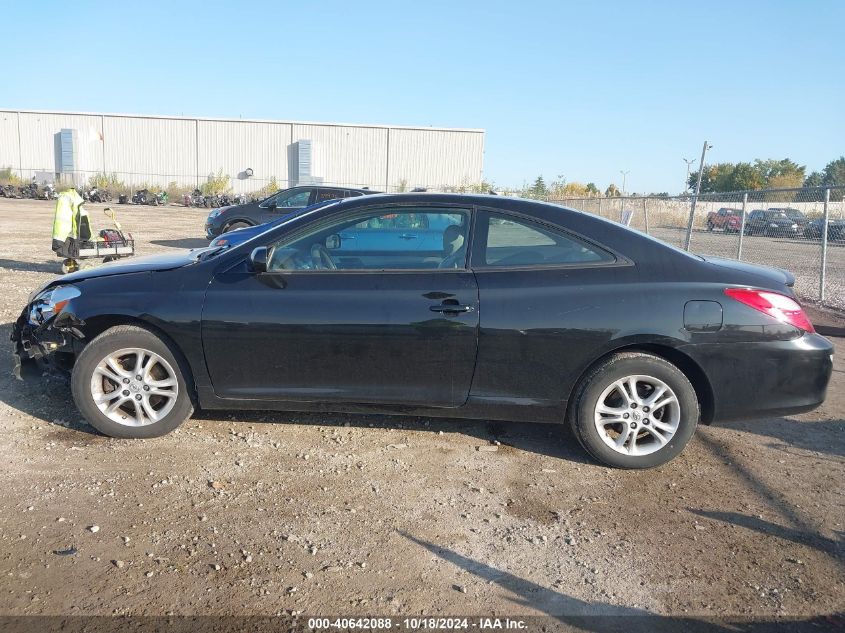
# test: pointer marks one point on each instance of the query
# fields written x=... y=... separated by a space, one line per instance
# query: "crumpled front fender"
x=36 y=346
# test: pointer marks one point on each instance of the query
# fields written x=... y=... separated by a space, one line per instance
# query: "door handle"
x=407 y=236
x=450 y=308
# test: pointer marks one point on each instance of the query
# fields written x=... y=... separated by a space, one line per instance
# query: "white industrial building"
x=161 y=150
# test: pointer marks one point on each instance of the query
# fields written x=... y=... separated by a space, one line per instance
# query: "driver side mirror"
x=258 y=260
x=333 y=241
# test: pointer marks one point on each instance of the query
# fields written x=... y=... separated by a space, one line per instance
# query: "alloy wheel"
x=637 y=415
x=134 y=387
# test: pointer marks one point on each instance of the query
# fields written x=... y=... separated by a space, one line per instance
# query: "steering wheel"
x=321 y=258
x=454 y=260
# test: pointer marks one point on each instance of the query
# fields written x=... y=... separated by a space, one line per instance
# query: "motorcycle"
x=197 y=199
x=29 y=191
x=142 y=196
x=97 y=195
x=159 y=198
x=49 y=192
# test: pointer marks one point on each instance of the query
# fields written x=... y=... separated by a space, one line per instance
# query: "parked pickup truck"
x=728 y=220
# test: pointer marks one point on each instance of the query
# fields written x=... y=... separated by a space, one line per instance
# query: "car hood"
x=769 y=273
x=164 y=261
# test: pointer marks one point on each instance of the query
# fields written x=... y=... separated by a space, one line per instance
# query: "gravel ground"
x=352 y=514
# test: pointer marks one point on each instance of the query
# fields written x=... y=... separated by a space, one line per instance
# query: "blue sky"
x=579 y=89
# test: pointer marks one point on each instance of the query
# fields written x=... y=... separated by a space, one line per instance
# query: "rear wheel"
x=635 y=410
x=128 y=383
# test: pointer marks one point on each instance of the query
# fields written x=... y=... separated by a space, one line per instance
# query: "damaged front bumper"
x=49 y=347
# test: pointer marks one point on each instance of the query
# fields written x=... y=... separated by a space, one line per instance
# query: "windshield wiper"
x=207 y=253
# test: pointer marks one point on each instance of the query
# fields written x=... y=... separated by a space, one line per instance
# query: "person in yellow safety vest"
x=70 y=224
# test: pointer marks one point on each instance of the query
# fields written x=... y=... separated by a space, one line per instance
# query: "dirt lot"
x=279 y=513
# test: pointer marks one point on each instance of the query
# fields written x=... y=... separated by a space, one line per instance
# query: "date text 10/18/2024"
x=417 y=623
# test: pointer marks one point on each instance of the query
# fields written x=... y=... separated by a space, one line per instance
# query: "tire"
x=162 y=367
x=677 y=423
x=710 y=226
x=235 y=225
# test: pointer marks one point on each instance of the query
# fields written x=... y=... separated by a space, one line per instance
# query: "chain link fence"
x=800 y=230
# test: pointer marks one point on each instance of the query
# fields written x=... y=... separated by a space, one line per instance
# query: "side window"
x=379 y=239
x=516 y=242
x=329 y=194
x=294 y=199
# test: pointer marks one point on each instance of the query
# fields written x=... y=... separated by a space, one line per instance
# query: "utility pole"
x=695 y=196
x=624 y=176
x=689 y=163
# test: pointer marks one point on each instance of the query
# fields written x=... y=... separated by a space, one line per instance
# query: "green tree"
x=592 y=190
x=834 y=172
x=538 y=189
x=815 y=179
x=760 y=174
x=612 y=191
x=743 y=176
x=782 y=173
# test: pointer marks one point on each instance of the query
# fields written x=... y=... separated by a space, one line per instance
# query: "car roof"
x=336 y=188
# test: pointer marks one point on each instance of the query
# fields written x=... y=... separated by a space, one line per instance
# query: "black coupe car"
x=272 y=208
x=522 y=311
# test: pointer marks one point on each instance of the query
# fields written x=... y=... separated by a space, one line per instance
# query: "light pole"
x=624 y=176
x=695 y=196
x=689 y=163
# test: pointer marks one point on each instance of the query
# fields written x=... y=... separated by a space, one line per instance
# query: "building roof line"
x=231 y=120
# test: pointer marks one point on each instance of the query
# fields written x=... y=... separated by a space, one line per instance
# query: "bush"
x=467 y=187
x=216 y=184
x=149 y=187
x=8 y=177
x=176 y=192
x=106 y=182
x=268 y=190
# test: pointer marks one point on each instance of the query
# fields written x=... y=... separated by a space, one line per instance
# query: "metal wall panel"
x=347 y=155
x=161 y=150
x=234 y=146
x=38 y=143
x=10 y=153
x=150 y=150
x=434 y=158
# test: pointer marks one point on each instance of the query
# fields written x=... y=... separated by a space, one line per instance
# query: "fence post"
x=742 y=227
x=825 y=219
x=645 y=214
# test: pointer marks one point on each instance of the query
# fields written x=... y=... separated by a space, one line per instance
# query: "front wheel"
x=634 y=410
x=128 y=383
x=235 y=226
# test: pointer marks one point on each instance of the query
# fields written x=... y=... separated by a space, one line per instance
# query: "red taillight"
x=776 y=305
